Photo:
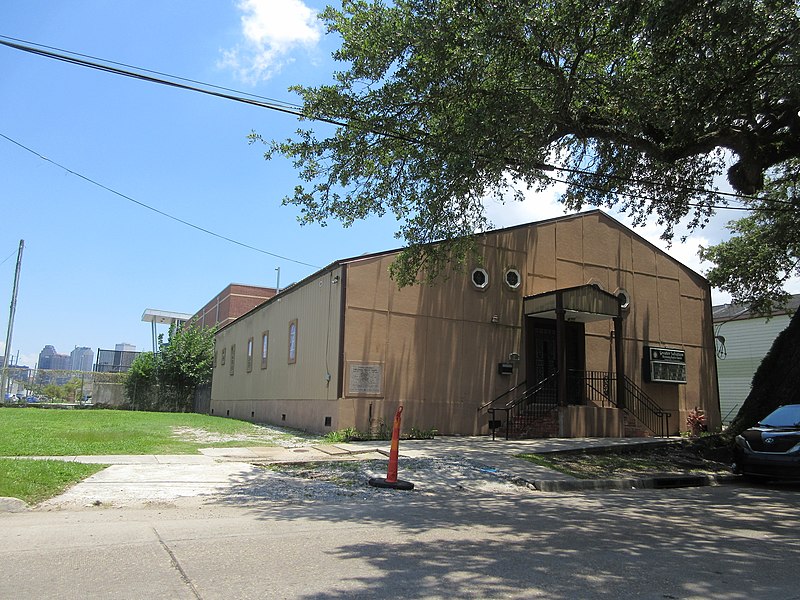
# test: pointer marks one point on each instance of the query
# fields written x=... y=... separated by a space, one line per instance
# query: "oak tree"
x=637 y=104
x=641 y=105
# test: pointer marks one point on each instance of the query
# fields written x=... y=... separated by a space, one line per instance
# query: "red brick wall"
x=231 y=303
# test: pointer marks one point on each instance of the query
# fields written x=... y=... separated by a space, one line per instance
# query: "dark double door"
x=541 y=352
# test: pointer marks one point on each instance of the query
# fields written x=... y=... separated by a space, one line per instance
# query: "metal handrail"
x=600 y=387
x=504 y=394
x=657 y=415
x=527 y=398
x=530 y=393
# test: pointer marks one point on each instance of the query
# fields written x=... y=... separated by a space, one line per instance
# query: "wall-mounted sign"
x=664 y=365
x=364 y=379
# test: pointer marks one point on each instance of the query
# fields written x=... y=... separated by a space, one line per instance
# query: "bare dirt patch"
x=672 y=459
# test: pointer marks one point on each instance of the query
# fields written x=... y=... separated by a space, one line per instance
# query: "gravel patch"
x=265 y=434
x=258 y=484
x=348 y=480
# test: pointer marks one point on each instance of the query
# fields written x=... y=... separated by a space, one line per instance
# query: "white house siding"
x=747 y=341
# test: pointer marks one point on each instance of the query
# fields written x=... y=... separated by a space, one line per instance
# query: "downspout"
x=342 y=307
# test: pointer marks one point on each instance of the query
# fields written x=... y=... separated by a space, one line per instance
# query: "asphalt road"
x=732 y=542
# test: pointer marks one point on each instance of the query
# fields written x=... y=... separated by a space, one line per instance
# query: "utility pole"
x=278 y=282
x=3 y=374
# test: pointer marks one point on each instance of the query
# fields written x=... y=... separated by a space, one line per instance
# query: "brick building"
x=232 y=302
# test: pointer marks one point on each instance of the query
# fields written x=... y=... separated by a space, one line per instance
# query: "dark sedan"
x=772 y=448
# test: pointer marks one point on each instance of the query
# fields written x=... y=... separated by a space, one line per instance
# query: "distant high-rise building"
x=81 y=359
x=123 y=347
x=51 y=360
x=46 y=357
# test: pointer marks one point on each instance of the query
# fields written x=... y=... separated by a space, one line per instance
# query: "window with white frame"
x=264 y=349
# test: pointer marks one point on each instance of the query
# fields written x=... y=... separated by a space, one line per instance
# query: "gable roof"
x=368 y=256
x=580 y=215
x=737 y=312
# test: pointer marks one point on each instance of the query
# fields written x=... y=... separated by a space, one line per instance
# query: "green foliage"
x=422 y=434
x=37 y=480
x=52 y=390
x=141 y=378
x=442 y=103
x=168 y=380
x=185 y=362
x=351 y=434
x=763 y=251
x=67 y=392
x=32 y=432
x=343 y=435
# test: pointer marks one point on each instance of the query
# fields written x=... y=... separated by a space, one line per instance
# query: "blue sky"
x=93 y=261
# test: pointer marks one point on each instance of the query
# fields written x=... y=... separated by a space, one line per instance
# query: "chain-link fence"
x=38 y=386
x=90 y=388
x=160 y=398
x=114 y=361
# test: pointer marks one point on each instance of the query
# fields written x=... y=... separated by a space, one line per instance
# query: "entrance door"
x=541 y=352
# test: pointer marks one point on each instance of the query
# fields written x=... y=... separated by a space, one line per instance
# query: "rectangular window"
x=264 y=348
x=222 y=362
x=249 y=355
x=233 y=356
x=293 y=341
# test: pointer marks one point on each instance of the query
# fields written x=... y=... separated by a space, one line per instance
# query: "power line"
x=106 y=66
x=18 y=46
x=690 y=204
x=295 y=110
x=5 y=260
x=155 y=210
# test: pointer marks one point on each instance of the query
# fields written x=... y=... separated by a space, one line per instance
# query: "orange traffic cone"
x=391 y=480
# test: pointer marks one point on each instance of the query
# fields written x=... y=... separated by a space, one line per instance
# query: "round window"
x=513 y=279
x=596 y=283
x=480 y=278
x=624 y=299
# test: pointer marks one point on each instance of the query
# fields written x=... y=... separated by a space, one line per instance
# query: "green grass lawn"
x=37 y=480
x=38 y=432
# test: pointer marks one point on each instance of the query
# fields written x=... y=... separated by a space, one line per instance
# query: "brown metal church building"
x=570 y=327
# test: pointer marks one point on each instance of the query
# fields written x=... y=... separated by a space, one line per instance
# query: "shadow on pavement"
x=731 y=542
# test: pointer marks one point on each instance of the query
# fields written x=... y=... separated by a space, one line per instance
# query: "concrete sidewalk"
x=167 y=477
x=500 y=455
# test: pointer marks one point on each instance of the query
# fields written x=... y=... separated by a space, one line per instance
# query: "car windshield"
x=785 y=416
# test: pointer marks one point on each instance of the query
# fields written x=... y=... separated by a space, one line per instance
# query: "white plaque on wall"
x=364 y=379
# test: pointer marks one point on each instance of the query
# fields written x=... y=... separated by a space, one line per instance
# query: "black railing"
x=522 y=402
x=600 y=388
x=645 y=410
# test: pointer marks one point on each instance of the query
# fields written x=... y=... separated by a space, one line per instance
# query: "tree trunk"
x=776 y=381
